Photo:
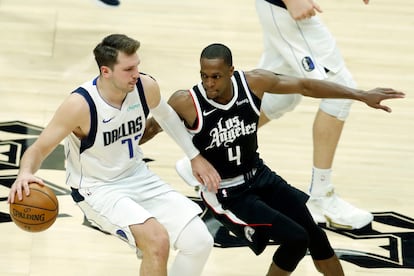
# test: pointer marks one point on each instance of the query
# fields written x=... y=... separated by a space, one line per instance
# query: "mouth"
x=211 y=93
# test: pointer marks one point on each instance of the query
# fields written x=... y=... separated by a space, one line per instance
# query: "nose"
x=135 y=74
x=210 y=82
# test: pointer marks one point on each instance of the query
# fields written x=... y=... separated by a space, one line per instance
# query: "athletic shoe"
x=109 y=3
x=337 y=213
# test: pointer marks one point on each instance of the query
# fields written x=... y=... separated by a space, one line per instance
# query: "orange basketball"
x=36 y=212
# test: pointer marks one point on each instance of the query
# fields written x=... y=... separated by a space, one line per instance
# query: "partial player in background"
x=109 y=3
x=102 y=122
x=297 y=43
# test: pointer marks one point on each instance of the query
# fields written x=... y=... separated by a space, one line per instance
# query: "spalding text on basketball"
x=26 y=215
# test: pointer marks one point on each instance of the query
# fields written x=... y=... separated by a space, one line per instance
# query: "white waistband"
x=235 y=181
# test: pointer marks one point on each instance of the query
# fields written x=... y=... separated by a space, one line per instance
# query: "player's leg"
x=251 y=210
x=188 y=233
x=152 y=240
x=108 y=3
x=194 y=245
x=307 y=49
x=329 y=267
x=329 y=121
x=319 y=246
x=274 y=270
x=129 y=221
x=274 y=210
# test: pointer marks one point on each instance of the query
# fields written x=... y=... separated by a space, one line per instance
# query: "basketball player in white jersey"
x=222 y=114
x=103 y=122
x=297 y=43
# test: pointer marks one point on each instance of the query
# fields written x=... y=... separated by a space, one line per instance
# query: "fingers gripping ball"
x=36 y=212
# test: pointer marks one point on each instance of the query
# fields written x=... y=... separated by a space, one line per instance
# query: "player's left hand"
x=374 y=97
x=205 y=173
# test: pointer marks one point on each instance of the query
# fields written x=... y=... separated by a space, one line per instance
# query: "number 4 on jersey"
x=234 y=154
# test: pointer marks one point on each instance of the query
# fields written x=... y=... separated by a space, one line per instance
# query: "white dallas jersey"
x=110 y=153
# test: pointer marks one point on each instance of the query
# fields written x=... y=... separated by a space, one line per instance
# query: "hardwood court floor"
x=46 y=52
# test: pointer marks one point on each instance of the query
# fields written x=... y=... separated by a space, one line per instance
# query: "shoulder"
x=151 y=90
x=182 y=93
x=180 y=97
x=148 y=81
x=260 y=80
x=258 y=74
x=149 y=84
x=75 y=107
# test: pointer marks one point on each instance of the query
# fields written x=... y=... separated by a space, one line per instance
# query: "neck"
x=110 y=94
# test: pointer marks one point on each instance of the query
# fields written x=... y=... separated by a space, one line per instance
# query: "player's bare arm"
x=152 y=91
x=261 y=81
x=72 y=115
x=264 y=81
x=171 y=123
x=182 y=103
x=152 y=128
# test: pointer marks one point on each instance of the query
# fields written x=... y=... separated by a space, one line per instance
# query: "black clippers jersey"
x=226 y=135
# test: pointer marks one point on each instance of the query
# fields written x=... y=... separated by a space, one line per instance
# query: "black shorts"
x=262 y=202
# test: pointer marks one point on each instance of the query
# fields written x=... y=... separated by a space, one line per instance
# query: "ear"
x=231 y=70
x=105 y=70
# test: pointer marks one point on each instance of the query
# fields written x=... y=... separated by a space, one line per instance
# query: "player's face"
x=216 y=78
x=125 y=73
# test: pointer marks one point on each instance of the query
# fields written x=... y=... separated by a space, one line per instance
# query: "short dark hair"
x=218 y=50
x=106 y=52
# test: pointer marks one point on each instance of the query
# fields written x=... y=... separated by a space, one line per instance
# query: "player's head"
x=107 y=51
x=218 y=51
x=118 y=61
x=216 y=69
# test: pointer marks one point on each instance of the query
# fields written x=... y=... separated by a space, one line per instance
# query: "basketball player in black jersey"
x=252 y=201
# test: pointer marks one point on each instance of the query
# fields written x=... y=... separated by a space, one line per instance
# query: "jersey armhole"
x=141 y=95
x=90 y=139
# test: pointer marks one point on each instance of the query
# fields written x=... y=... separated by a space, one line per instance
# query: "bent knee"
x=338 y=108
x=276 y=105
x=151 y=238
x=291 y=251
x=205 y=242
x=195 y=238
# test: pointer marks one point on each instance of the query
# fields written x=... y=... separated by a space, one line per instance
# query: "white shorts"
x=114 y=207
x=303 y=48
x=297 y=48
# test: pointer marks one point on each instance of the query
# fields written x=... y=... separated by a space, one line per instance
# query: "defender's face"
x=216 y=78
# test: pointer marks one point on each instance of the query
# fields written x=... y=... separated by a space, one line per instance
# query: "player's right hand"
x=205 y=173
x=22 y=184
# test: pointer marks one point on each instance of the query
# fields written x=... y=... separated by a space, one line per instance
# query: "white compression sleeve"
x=174 y=127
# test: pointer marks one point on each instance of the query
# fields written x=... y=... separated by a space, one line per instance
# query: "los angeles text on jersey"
x=126 y=129
x=229 y=130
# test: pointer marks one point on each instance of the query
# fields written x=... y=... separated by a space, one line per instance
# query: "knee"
x=276 y=105
x=338 y=108
x=153 y=241
x=205 y=242
x=292 y=250
x=159 y=245
x=195 y=239
x=319 y=245
x=298 y=241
